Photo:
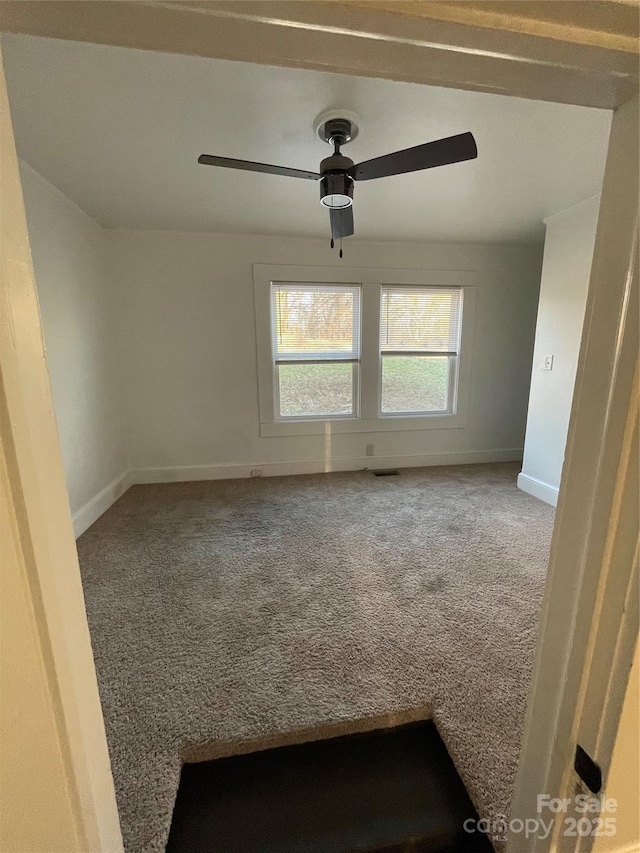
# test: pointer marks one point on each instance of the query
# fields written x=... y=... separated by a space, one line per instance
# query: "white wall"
x=568 y=252
x=78 y=305
x=188 y=313
x=151 y=349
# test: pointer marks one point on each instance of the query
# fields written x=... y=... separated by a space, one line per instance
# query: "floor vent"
x=385 y=472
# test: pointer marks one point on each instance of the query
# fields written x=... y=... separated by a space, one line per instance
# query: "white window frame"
x=369 y=418
x=335 y=359
x=453 y=366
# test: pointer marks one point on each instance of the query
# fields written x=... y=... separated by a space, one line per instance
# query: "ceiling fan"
x=338 y=173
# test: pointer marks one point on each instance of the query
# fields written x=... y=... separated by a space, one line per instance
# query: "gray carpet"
x=233 y=615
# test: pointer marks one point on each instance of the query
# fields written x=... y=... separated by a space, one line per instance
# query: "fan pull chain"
x=333 y=244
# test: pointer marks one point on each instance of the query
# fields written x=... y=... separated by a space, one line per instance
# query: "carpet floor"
x=236 y=615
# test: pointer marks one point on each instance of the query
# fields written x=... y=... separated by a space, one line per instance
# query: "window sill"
x=387 y=423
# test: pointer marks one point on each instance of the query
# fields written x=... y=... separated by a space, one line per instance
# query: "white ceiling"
x=119 y=131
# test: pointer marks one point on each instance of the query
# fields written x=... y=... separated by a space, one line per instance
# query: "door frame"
x=47 y=560
x=593 y=550
x=589 y=621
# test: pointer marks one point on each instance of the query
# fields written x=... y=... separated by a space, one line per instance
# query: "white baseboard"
x=232 y=470
x=100 y=503
x=538 y=488
x=93 y=509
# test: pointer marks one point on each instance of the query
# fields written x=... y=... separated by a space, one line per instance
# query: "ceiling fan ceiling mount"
x=338 y=131
x=337 y=126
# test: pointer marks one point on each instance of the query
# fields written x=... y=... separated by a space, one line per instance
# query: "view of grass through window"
x=315 y=389
x=411 y=384
x=414 y=383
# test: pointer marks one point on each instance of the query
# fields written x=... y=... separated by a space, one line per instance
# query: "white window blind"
x=315 y=322
x=420 y=320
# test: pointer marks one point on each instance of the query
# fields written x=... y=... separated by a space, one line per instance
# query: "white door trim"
x=572 y=66
x=43 y=530
x=593 y=564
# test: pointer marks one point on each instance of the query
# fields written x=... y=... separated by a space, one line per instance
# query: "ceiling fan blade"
x=249 y=166
x=453 y=149
x=341 y=222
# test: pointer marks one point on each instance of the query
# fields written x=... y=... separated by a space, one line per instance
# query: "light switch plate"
x=548 y=362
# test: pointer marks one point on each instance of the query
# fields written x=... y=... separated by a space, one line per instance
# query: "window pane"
x=415 y=383
x=315 y=389
x=315 y=321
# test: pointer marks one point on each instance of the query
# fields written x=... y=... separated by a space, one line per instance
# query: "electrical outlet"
x=369 y=450
x=548 y=362
x=256 y=472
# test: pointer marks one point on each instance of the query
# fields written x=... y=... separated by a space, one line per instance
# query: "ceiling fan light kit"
x=338 y=173
x=336 y=191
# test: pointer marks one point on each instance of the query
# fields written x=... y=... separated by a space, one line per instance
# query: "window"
x=359 y=350
x=419 y=346
x=316 y=349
